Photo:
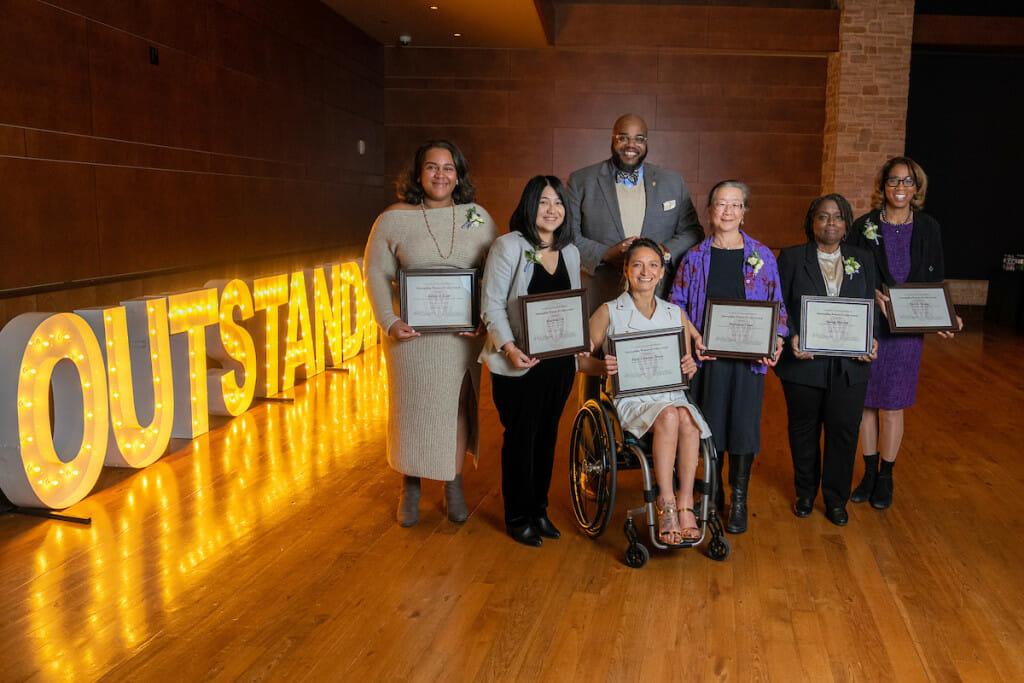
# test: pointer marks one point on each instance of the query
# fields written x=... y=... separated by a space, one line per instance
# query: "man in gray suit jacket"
x=613 y=202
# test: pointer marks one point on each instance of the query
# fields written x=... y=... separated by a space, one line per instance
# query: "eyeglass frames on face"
x=722 y=206
x=622 y=139
x=905 y=182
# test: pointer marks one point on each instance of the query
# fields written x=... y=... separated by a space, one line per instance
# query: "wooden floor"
x=267 y=550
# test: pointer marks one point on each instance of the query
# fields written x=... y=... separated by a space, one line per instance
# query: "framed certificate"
x=736 y=328
x=836 y=326
x=920 y=307
x=555 y=324
x=439 y=299
x=648 y=361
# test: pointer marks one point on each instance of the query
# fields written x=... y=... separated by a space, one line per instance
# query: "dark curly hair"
x=844 y=209
x=408 y=184
x=524 y=218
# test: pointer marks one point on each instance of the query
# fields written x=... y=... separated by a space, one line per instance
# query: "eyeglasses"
x=905 y=182
x=622 y=139
x=827 y=218
x=722 y=206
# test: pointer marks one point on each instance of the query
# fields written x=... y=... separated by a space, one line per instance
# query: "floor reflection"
x=90 y=593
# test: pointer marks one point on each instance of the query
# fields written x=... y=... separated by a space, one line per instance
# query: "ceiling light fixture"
x=457 y=35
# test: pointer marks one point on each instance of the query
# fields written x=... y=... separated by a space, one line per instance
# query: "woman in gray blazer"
x=535 y=257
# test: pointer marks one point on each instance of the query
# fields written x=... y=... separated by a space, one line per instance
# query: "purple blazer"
x=689 y=290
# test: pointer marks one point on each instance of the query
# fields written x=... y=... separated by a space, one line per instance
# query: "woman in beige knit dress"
x=433 y=379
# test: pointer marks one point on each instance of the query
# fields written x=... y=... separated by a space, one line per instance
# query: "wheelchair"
x=600 y=449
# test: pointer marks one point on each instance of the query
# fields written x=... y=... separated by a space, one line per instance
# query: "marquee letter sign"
x=126 y=379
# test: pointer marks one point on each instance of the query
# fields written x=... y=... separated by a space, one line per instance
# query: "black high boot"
x=739 y=478
x=720 y=492
x=862 y=493
x=881 y=497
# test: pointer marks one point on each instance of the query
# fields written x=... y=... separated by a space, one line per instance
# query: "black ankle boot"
x=862 y=493
x=881 y=497
x=739 y=478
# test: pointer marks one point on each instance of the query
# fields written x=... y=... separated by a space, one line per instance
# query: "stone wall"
x=866 y=98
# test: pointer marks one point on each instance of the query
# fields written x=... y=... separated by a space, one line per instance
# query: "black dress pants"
x=529 y=408
x=838 y=409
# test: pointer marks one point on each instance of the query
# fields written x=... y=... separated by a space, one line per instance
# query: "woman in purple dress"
x=907 y=246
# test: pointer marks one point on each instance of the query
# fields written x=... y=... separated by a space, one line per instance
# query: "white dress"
x=637 y=413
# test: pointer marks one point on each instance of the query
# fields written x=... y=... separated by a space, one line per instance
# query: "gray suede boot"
x=409 y=502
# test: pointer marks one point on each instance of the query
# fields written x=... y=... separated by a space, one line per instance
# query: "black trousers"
x=838 y=409
x=529 y=408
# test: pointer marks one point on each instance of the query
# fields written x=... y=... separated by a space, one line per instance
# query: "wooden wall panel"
x=431 y=63
x=153 y=220
x=699 y=27
x=490 y=151
x=647 y=26
x=454 y=107
x=12 y=141
x=717 y=113
x=44 y=67
x=179 y=24
x=133 y=100
x=724 y=72
x=759 y=28
x=242 y=44
x=546 y=107
x=49 y=222
x=607 y=66
x=758 y=117
x=752 y=157
x=240 y=144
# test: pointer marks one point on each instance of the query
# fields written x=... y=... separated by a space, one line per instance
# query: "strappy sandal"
x=689 y=533
x=668 y=524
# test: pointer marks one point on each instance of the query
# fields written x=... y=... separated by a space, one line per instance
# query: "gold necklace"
x=437 y=246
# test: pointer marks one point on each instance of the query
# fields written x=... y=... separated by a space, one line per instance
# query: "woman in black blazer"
x=825 y=391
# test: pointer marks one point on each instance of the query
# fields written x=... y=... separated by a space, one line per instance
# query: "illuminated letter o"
x=37 y=469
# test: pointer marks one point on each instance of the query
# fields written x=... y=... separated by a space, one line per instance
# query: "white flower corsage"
x=531 y=258
x=871 y=230
x=473 y=217
x=851 y=266
x=755 y=261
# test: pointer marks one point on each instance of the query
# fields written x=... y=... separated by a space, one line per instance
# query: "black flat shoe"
x=545 y=528
x=803 y=507
x=526 y=535
x=837 y=515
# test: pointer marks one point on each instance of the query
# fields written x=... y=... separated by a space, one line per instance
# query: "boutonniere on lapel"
x=850 y=266
x=532 y=257
x=871 y=230
x=473 y=217
x=755 y=261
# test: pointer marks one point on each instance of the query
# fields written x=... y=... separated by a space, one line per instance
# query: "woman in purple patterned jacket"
x=730 y=265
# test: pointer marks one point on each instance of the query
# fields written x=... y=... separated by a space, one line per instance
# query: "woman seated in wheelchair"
x=678 y=426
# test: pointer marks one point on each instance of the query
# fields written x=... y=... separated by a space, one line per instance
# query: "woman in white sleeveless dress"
x=678 y=426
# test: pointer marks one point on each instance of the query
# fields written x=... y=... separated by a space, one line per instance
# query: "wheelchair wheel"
x=592 y=470
x=637 y=555
x=719 y=549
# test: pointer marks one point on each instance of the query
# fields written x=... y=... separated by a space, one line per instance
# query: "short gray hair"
x=742 y=187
